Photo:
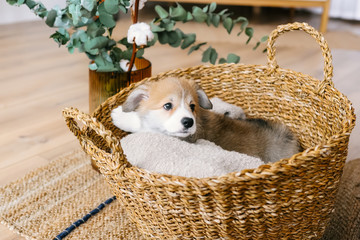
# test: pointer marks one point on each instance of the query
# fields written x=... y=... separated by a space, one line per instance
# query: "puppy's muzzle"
x=187 y=122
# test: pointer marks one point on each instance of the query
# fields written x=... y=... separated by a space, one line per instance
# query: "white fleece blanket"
x=163 y=154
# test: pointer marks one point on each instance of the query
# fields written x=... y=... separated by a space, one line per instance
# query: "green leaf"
x=70 y=49
x=111 y=6
x=243 y=27
x=104 y=63
x=256 y=45
x=12 y=2
x=127 y=54
x=210 y=55
x=109 y=67
x=206 y=8
x=264 y=39
x=223 y=12
x=209 y=19
x=88 y=4
x=110 y=44
x=116 y=54
x=196 y=47
x=74 y=10
x=85 y=21
x=124 y=42
x=15 y=2
x=98 y=42
x=40 y=10
x=107 y=20
x=50 y=18
x=249 y=32
x=124 y=5
x=95 y=29
x=163 y=37
x=30 y=3
x=228 y=24
x=212 y=7
x=88 y=48
x=241 y=19
x=156 y=28
x=93 y=66
x=233 y=58
x=215 y=20
x=188 y=40
x=206 y=55
x=61 y=36
x=175 y=38
x=83 y=36
x=222 y=60
x=199 y=15
x=178 y=13
x=213 y=56
x=140 y=53
x=123 y=9
x=106 y=56
x=189 y=17
x=168 y=25
x=161 y=11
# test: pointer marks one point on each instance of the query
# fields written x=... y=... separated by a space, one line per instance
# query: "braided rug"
x=66 y=199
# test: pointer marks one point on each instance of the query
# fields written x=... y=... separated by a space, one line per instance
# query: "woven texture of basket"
x=289 y=199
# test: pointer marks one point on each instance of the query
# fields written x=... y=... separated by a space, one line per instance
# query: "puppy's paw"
x=227 y=109
x=126 y=121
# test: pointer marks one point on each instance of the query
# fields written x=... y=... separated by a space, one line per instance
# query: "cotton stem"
x=134 y=16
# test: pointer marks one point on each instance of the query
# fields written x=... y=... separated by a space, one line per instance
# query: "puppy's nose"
x=187 y=122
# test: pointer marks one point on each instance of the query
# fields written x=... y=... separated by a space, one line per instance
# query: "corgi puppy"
x=180 y=108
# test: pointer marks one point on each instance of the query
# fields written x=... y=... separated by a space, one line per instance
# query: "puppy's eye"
x=168 y=106
x=192 y=107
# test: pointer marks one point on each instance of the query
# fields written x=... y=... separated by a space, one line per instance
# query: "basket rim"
x=248 y=174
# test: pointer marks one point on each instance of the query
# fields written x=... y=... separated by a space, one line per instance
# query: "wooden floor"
x=38 y=79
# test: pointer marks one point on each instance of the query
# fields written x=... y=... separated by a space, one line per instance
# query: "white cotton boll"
x=124 y=64
x=141 y=32
x=141 y=4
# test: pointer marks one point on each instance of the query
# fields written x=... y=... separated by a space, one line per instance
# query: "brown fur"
x=268 y=140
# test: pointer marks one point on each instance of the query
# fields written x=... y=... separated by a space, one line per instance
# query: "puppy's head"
x=169 y=106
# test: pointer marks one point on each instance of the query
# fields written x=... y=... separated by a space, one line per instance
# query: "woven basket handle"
x=328 y=67
x=72 y=115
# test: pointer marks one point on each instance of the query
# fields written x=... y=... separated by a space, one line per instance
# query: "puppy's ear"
x=204 y=101
x=135 y=97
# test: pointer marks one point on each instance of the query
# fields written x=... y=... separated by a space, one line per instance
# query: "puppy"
x=180 y=108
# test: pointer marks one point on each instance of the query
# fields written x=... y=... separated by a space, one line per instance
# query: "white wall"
x=12 y=14
x=346 y=9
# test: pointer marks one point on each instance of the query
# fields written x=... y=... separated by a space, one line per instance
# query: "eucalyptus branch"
x=164 y=27
x=87 y=25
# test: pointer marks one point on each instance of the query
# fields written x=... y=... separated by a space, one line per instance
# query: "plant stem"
x=134 y=16
x=132 y=60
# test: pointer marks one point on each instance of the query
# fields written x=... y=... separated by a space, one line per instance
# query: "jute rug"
x=69 y=195
x=61 y=195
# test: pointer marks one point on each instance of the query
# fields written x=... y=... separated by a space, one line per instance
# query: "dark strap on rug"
x=76 y=224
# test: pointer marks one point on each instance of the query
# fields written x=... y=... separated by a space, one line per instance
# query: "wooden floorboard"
x=38 y=79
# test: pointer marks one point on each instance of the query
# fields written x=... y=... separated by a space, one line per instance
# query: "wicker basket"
x=289 y=199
